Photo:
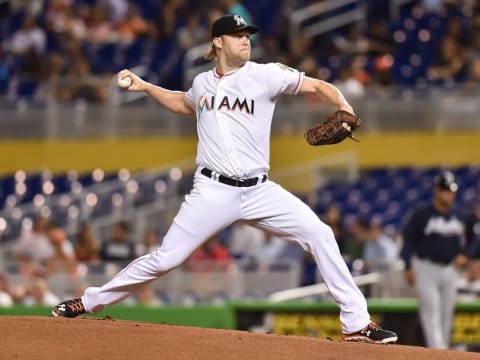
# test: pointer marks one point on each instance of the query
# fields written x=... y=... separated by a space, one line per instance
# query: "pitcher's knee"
x=318 y=235
x=320 y=231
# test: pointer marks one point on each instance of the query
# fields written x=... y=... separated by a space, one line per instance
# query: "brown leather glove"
x=334 y=129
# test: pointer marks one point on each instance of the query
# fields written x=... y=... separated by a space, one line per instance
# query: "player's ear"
x=217 y=42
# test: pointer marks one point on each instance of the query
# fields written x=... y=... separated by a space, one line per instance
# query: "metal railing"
x=328 y=23
x=322 y=17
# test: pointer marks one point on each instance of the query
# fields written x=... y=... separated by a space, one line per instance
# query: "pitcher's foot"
x=372 y=333
x=69 y=309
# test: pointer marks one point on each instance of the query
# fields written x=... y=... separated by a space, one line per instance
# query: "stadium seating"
x=388 y=193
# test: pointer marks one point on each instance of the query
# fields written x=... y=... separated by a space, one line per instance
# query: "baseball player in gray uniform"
x=234 y=104
x=433 y=250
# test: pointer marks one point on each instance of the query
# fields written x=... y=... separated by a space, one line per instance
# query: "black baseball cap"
x=446 y=181
x=230 y=24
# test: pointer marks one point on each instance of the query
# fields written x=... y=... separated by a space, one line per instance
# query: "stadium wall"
x=373 y=150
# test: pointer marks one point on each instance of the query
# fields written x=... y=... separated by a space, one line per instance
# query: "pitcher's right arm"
x=173 y=101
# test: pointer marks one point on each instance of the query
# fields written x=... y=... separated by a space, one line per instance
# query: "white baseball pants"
x=210 y=207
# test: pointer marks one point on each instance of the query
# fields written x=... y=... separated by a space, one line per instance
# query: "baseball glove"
x=334 y=129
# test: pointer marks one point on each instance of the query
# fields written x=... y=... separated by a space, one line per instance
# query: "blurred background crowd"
x=69 y=50
x=70 y=46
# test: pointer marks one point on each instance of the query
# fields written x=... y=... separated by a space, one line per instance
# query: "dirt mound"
x=88 y=338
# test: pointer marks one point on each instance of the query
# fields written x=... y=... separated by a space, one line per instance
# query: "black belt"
x=233 y=182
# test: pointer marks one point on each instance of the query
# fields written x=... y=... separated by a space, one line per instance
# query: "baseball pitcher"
x=234 y=104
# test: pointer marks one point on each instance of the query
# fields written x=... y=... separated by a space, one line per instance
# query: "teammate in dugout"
x=234 y=104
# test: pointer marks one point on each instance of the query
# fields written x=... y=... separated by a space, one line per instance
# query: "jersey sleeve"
x=282 y=79
x=189 y=99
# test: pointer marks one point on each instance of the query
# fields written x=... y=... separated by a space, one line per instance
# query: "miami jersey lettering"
x=207 y=103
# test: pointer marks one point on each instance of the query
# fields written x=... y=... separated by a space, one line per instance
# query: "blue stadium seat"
x=27 y=88
x=389 y=193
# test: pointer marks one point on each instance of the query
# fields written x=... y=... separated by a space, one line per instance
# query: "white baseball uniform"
x=234 y=114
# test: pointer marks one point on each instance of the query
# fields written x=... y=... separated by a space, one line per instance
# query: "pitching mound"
x=87 y=338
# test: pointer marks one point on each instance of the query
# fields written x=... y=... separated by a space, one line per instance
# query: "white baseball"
x=125 y=82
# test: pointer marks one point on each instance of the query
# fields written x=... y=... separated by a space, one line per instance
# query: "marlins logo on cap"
x=230 y=24
x=446 y=181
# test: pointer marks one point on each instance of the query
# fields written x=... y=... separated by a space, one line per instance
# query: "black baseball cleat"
x=69 y=309
x=372 y=333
